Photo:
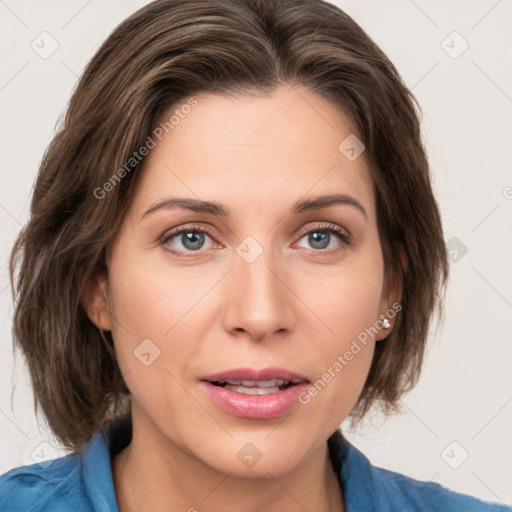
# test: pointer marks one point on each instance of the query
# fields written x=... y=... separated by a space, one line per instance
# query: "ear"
x=391 y=295
x=94 y=299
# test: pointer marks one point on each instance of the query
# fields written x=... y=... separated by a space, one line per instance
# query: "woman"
x=227 y=257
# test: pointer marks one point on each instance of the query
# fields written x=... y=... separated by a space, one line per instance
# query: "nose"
x=259 y=302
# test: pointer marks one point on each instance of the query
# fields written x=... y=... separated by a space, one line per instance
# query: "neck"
x=152 y=473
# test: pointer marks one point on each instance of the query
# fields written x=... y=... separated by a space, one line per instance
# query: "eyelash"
x=345 y=238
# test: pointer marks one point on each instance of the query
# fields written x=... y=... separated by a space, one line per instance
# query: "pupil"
x=192 y=240
x=313 y=239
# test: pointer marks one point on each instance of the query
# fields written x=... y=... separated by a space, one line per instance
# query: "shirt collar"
x=97 y=456
x=355 y=474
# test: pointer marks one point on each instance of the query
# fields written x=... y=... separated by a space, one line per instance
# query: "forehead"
x=255 y=151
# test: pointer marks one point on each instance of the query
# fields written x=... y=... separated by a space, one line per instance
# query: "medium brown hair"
x=155 y=59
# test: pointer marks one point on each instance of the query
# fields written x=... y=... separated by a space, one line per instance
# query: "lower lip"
x=268 y=406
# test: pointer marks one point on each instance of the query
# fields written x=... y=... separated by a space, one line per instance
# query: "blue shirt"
x=82 y=482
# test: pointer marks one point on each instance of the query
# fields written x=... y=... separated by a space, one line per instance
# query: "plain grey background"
x=456 y=57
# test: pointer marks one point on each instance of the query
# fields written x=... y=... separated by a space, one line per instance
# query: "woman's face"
x=269 y=285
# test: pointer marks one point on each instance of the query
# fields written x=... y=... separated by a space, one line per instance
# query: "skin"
x=296 y=306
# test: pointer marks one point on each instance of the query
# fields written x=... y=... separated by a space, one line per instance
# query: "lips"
x=256 y=394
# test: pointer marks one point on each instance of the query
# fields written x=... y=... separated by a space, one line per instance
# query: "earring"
x=386 y=324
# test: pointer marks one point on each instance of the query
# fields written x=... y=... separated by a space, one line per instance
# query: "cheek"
x=150 y=298
x=348 y=305
x=153 y=336
x=346 y=296
x=155 y=311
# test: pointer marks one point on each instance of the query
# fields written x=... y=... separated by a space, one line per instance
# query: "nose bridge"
x=259 y=300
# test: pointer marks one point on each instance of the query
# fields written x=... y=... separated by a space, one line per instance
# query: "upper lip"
x=252 y=374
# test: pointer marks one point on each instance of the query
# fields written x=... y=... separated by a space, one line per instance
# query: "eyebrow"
x=214 y=208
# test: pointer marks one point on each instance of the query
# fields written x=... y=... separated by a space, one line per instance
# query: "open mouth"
x=250 y=387
x=255 y=394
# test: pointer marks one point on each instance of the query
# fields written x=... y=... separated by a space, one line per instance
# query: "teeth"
x=256 y=383
x=253 y=390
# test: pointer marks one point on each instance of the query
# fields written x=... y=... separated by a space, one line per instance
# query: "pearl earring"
x=386 y=324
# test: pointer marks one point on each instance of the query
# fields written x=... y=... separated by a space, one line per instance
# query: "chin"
x=255 y=455
x=275 y=464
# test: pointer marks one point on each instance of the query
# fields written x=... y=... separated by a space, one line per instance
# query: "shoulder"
x=416 y=495
x=80 y=481
x=33 y=488
x=50 y=485
x=371 y=488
